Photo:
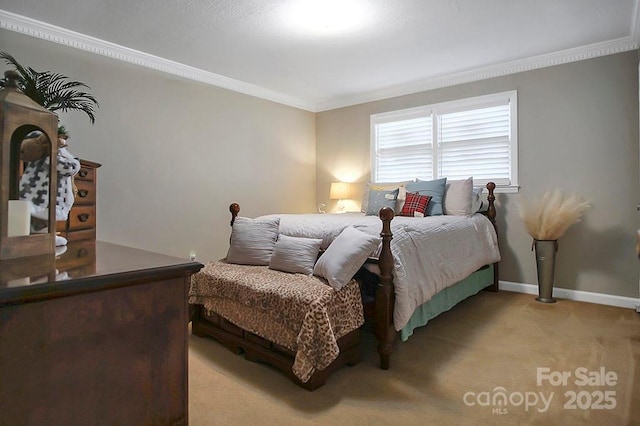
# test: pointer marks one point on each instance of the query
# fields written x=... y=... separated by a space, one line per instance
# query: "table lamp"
x=340 y=191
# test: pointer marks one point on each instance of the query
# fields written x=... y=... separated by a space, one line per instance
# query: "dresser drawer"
x=61 y=226
x=85 y=173
x=86 y=192
x=82 y=234
x=82 y=217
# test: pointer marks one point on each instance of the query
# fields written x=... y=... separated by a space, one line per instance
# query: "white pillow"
x=458 y=197
x=295 y=254
x=344 y=256
x=252 y=240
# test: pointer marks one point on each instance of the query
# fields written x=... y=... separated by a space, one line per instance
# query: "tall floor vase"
x=546 y=263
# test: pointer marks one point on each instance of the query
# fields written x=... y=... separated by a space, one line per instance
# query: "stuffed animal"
x=34 y=182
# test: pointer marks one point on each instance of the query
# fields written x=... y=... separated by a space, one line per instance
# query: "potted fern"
x=53 y=91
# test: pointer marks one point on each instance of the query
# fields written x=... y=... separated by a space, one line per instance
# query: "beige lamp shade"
x=340 y=191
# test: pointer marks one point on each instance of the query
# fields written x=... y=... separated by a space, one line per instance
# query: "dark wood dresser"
x=81 y=223
x=95 y=335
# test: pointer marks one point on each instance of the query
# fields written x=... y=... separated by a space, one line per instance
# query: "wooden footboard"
x=255 y=348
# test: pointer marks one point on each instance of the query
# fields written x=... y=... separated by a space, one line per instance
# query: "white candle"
x=19 y=218
x=19 y=282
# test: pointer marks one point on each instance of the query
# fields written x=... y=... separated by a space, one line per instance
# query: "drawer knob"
x=83 y=172
x=82 y=193
x=83 y=217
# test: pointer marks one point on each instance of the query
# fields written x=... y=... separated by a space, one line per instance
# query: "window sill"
x=505 y=190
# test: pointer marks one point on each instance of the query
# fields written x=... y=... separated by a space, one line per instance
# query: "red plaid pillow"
x=415 y=205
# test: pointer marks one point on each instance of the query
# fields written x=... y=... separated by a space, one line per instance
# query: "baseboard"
x=577 y=295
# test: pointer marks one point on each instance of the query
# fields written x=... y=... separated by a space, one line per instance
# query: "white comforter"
x=429 y=253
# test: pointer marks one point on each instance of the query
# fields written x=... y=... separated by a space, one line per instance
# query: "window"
x=469 y=137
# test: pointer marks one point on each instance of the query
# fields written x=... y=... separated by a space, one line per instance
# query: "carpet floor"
x=496 y=358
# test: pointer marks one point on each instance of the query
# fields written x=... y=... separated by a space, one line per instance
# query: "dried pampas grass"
x=549 y=217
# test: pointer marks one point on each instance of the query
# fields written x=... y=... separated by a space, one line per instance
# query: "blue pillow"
x=381 y=198
x=433 y=188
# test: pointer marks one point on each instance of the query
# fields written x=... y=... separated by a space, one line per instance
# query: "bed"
x=387 y=277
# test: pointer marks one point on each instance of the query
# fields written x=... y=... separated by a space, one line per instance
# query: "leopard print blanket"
x=302 y=313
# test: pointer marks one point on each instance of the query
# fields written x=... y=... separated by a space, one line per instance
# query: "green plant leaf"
x=53 y=91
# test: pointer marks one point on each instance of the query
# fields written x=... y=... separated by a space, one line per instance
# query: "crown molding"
x=52 y=33
x=542 y=61
x=42 y=30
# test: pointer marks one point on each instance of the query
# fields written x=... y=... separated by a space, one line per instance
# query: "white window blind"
x=404 y=147
x=476 y=143
x=470 y=137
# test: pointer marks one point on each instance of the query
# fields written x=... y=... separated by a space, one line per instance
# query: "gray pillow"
x=381 y=198
x=433 y=188
x=252 y=240
x=344 y=256
x=386 y=186
x=476 y=200
x=295 y=254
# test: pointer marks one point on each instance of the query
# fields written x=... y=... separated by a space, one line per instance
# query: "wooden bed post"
x=234 y=209
x=491 y=214
x=491 y=210
x=385 y=294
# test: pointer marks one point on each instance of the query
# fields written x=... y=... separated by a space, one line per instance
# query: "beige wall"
x=578 y=131
x=176 y=153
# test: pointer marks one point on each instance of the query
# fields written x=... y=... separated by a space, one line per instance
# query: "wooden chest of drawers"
x=81 y=223
x=91 y=346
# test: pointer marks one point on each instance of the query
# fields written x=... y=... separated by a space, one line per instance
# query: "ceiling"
x=377 y=49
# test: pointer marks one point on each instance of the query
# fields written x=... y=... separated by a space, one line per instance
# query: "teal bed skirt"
x=447 y=299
